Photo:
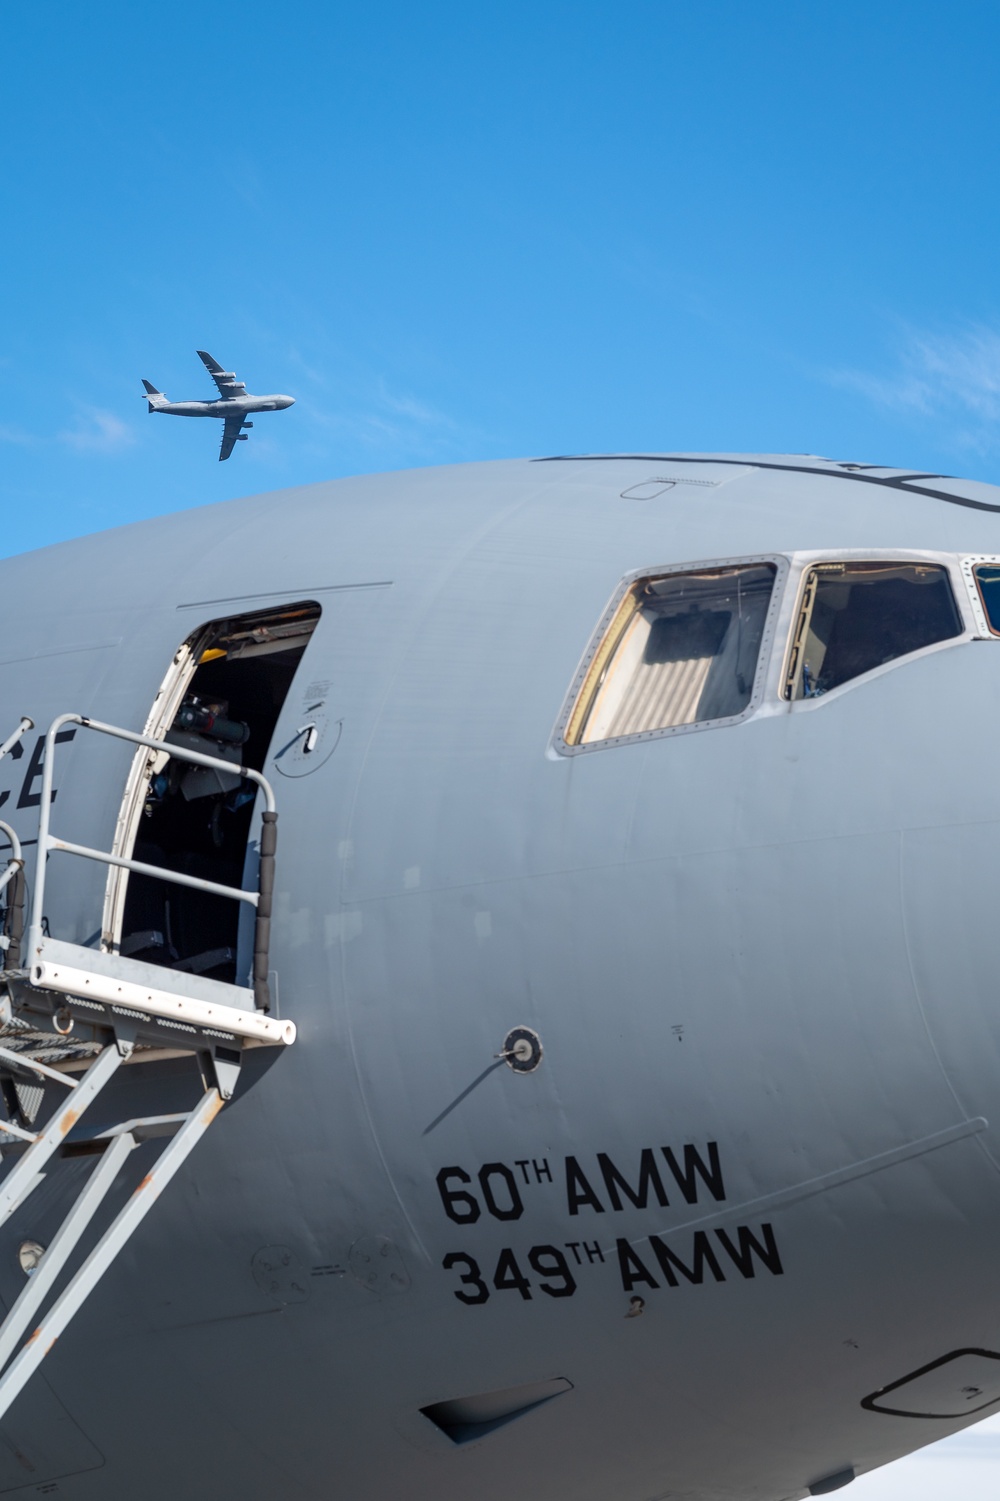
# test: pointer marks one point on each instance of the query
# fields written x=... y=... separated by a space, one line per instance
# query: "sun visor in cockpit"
x=679 y=649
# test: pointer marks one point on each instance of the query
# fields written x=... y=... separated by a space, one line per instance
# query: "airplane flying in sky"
x=234 y=406
x=591 y=1094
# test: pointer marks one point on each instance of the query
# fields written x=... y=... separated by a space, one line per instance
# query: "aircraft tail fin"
x=156 y=398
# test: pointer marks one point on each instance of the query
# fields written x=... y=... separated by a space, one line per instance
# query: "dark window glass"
x=681 y=648
x=987 y=577
x=857 y=616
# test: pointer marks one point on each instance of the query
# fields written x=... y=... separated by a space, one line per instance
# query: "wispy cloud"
x=949 y=377
x=16 y=435
x=317 y=377
x=353 y=412
x=407 y=412
x=392 y=421
x=97 y=430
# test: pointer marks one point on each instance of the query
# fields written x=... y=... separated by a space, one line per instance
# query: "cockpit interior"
x=696 y=646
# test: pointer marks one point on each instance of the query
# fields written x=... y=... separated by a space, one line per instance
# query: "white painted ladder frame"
x=52 y=1324
x=25 y=1176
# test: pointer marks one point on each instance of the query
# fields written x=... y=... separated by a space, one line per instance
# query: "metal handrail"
x=14 y=920
x=22 y=729
x=16 y=857
x=14 y=916
x=259 y=899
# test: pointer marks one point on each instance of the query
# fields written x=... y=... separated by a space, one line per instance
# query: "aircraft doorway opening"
x=223 y=695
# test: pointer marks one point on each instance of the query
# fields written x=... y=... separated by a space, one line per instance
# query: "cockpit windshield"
x=681 y=648
x=858 y=616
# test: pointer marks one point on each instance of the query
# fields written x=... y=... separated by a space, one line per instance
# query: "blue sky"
x=461 y=231
x=458 y=232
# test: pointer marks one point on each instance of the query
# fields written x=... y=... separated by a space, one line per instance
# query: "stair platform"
x=70 y=1016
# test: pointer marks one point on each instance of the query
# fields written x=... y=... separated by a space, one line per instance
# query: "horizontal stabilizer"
x=156 y=398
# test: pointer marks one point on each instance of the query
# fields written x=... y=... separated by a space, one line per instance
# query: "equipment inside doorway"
x=197 y=820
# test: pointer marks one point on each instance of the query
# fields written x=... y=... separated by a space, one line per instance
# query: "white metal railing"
x=260 y=899
x=13 y=926
x=20 y=1357
x=22 y=729
x=123 y=998
x=14 y=870
x=16 y=861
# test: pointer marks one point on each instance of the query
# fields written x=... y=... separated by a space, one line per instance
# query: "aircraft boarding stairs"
x=70 y=1017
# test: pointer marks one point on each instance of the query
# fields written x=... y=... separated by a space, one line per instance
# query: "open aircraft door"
x=222 y=695
x=194 y=846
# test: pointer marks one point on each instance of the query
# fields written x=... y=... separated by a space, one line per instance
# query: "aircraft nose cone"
x=287 y=401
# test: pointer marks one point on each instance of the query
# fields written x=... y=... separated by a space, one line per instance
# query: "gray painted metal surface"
x=775 y=936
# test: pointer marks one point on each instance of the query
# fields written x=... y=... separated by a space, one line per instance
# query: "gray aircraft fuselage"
x=760 y=957
x=232 y=406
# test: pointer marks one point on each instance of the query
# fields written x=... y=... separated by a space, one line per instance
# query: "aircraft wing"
x=225 y=380
x=230 y=434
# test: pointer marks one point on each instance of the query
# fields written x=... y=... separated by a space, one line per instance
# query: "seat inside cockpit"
x=688 y=647
x=855 y=617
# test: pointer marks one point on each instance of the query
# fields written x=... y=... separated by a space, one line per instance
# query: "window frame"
x=780 y=563
x=959 y=571
x=969 y=563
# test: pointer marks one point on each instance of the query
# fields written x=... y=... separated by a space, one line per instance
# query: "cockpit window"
x=987 y=577
x=857 y=616
x=681 y=648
